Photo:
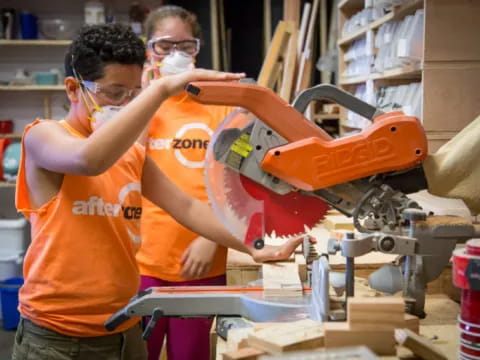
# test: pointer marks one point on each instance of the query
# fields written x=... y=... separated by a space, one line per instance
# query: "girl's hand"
x=175 y=84
x=279 y=253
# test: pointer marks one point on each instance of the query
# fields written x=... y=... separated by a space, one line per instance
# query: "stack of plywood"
x=281 y=279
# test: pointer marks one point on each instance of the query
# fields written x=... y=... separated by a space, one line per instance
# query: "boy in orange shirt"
x=177 y=139
x=80 y=184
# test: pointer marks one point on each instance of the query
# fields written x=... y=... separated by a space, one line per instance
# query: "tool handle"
x=330 y=92
x=264 y=103
x=116 y=320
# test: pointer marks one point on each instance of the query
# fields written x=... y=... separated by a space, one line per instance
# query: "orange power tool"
x=272 y=145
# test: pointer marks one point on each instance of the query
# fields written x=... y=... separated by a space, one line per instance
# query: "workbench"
x=440 y=325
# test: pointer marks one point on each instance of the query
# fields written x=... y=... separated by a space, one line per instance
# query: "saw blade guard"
x=220 y=180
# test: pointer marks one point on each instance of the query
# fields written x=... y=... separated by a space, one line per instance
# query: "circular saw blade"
x=236 y=199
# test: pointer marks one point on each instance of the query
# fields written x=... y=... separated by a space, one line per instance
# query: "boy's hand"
x=279 y=253
x=175 y=84
x=197 y=258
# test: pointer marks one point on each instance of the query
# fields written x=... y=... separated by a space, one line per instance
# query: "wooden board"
x=281 y=279
x=299 y=335
x=419 y=345
x=243 y=354
x=339 y=334
x=376 y=312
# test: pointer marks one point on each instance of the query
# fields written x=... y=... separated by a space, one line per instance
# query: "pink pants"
x=186 y=338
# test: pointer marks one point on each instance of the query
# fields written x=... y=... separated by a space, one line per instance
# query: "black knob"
x=258 y=243
x=387 y=244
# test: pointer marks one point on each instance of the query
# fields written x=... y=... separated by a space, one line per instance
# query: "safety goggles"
x=162 y=46
x=113 y=94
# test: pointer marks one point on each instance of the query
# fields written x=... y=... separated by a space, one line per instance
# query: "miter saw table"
x=268 y=169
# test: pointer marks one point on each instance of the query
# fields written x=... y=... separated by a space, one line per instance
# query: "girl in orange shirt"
x=80 y=184
x=172 y=255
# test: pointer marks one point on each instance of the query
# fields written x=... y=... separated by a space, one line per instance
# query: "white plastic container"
x=14 y=235
x=10 y=264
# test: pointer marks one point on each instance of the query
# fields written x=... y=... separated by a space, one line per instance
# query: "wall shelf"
x=10 y=136
x=35 y=42
x=397 y=13
x=407 y=72
x=6 y=184
x=32 y=87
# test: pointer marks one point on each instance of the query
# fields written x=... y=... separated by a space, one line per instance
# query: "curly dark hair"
x=95 y=46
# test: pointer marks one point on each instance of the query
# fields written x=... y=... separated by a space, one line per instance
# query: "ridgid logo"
x=128 y=197
x=188 y=145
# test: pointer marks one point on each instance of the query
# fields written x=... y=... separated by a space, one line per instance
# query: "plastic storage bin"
x=9 y=295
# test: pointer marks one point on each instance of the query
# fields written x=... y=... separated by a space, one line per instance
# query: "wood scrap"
x=248 y=353
x=412 y=323
x=281 y=279
x=339 y=334
x=299 y=335
x=419 y=345
x=376 y=312
x=338 y=222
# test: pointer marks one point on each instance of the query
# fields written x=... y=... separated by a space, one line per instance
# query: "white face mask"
x=175 y=63
x=98 y=118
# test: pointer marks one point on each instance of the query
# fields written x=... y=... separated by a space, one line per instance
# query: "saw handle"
x=332 y=93
x=116 y=320
x=263 y=102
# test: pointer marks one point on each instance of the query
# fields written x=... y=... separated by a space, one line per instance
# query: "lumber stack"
x=281 y=279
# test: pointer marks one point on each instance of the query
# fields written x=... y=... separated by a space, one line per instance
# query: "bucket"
x=9 y=295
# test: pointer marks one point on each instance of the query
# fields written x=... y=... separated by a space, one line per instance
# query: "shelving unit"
x=35 y=42
x=449 y=70
x=32 y=87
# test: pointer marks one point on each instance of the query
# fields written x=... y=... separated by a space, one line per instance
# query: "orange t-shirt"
x=177 y=141
x=80 y=267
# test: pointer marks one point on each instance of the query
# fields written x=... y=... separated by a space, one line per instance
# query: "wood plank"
x=303 y=29
x=214 y=34
x=299 y=335
x=248 y=353
x=304 y=72
x=290 y=61
x=376 y=312
x=213 y=339
x=281 y=279
x=419 y=345
x=291 y=11
x=339 y=334
x=35 y=42
x=267 y=25
x=266 y=77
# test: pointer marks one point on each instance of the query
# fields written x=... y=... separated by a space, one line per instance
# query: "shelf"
x=398 y=12
x=10 y=136
x=32 y=87
x=35 y=42
x=407 y=72
x=6 y=184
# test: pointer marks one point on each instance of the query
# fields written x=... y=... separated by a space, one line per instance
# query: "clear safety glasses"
x=162 y=46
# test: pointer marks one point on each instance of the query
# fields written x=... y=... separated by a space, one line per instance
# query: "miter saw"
x=269 y=169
